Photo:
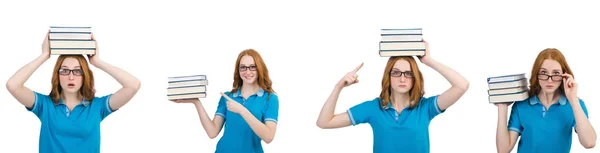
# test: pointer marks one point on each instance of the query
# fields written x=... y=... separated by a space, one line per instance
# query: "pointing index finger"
x=226 y=97
x=358 y=68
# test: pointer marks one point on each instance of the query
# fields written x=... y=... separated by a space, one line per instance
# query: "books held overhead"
x=71 y=40
x=401 y=42
x=508 y=88
x=186 y=87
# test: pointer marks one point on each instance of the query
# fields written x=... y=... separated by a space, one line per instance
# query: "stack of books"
x=186 y=87
x=401 y=42
x=71 y=40
x=508 y=88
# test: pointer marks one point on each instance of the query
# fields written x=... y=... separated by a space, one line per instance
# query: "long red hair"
x=87 y=90
x=263 y=73
x=548 y=53
x=415 y=93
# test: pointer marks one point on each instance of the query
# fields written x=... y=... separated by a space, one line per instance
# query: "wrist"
x=44 y=56
x=430 y=61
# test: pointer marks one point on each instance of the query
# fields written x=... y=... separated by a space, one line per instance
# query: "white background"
x=307 y=47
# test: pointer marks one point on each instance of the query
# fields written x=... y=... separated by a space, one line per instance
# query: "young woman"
x=400 y=116
x=545 y=120
x=71 y=113
x=249 y=111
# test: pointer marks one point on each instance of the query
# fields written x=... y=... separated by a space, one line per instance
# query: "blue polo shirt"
x=541 y=130
x=238 y=137
x=65 y=131
x=392 y=132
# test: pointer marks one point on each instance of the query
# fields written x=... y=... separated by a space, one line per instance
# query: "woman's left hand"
x=94 y=59
x=426 y=59
x=234 y=106
x=569 y=85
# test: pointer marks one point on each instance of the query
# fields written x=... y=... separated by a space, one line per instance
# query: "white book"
x=186 y=89
x=402 y=31
x=493 y=92
x=70 y=36
x=506 y=78
x=69 y=51
x=185 y=78
x=186 y=96
x=400 y=37
x=402 y=53
x=188 y=83
x=70 y=29
x=508 y=84
x=72 y=44
x=508 y=97
x=395 y=46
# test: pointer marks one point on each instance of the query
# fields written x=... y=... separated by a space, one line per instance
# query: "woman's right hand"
x=191 y=100
x=46 y=45
x=350 y=77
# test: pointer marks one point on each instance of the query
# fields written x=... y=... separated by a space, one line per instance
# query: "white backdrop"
x=307 y=47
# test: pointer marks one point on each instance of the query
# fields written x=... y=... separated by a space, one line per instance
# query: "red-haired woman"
x=400 y=116
x=546 y=119
x=71 y=113
x=249 y=111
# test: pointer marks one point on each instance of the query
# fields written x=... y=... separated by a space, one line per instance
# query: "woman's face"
x=401 y=77
x=70 y=75
x=550 y=75
x=248 y=70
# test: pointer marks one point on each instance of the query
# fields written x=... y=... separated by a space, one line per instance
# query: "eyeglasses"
x=407 y=74
x=76 y=72
x=251 y=68
x=546 y=77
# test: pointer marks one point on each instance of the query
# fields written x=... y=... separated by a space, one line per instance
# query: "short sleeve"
x=431 y=105
x=582 y=104
x=222 y=107
x=361 y=113
x=38 y=104
x=103 y=104
x=272 y=109
x=514 y=123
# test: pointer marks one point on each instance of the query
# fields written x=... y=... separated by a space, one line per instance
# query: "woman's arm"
x=327 y=119
x=130 y=84
x=458 y=82
x=15 y=84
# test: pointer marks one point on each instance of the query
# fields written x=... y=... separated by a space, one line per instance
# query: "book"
x=388 y=53
x=186 y=78
x=70 y=36
x=505 y=78
x=507 y=88
x=402 y=31
x=70 y=29
x=509 y=97
x=401 y=42
x=71 y=40
x=186 y=96
x=185 y=87
x=401 y=37
x=188 y=83
x=508 y=84
x=493 y=92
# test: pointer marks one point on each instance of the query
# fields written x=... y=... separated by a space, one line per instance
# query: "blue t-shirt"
x=238 y=137
x=541 y=130
x=392 y=132
x=65 y=131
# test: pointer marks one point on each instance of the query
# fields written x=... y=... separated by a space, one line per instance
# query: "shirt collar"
x=390 y=106
x=259 y=93
x=534 y=100
x=85 y=103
